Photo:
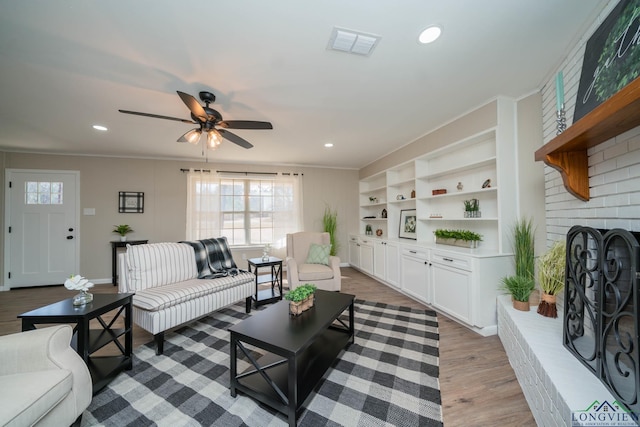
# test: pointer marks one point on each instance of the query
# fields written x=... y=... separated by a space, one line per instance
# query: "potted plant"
x=551 y=267
x=301 y=298
x=463 y=238
x=122 y=230
x=520 y=288
x=330 y=224
x=522 y=283
x=472 y=208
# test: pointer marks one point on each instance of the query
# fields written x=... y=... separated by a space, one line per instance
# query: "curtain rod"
x=245 y=173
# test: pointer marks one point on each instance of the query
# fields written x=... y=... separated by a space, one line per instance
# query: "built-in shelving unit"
x=567 y=152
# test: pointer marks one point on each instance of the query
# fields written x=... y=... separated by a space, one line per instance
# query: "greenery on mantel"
x=465 y=235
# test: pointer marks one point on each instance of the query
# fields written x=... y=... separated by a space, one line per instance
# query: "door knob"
x=69 y=237
x=71 y=229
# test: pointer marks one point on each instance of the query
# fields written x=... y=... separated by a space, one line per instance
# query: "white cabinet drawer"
x=452 y=260
x=415 y=252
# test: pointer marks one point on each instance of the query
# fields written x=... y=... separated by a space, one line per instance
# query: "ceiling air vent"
x=352 y=41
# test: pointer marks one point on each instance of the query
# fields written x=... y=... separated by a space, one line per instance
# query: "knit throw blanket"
x=213 y=258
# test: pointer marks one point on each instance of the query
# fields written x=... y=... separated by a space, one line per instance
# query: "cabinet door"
x=354 y=253
x=366 y=256
x=392 y=263
x=452 y=291
x=379 y=256
x=415 y=278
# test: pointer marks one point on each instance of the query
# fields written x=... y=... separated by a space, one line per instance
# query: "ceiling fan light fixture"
x=193 y=136
x=213 y=139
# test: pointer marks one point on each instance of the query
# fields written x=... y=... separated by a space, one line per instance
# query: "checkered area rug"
x=388 y=377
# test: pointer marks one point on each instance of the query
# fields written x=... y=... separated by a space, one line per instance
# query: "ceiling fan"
x=209 y=122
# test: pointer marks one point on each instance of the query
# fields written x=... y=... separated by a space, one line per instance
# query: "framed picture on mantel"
x=611 y=58
x=408 y=224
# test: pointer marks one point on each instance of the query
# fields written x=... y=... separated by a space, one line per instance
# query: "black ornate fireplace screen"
x=601 y=308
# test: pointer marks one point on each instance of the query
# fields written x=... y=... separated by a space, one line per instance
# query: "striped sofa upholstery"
x=167 y=290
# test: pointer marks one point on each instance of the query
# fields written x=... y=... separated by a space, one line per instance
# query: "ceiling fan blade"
x=193 y=105
x=156 y=116
x=235 y=138
x=244 y=124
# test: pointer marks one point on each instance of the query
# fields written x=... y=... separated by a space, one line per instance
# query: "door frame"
x=5 y=283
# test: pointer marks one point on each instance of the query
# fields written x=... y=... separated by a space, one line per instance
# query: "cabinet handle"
x=413 y=252
x=447 y=259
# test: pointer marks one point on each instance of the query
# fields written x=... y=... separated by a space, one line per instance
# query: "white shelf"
x=373 y=219
x=374 y=190
x=458 y=219
x=401 y=202
x=401 y=183
x=461 y=193
x=462 y=168
x=374 y=205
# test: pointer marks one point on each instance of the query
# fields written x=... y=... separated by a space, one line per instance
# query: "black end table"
x=274 y=277
x=87 y=341
x=115 y=244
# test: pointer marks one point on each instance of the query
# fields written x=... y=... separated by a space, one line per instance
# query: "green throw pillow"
x=318 y=254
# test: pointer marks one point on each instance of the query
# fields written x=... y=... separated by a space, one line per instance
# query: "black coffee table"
x=86 y=340
x=300 y=350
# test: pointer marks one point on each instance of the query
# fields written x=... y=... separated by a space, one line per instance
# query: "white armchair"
x=44 y=381
x=324 y=276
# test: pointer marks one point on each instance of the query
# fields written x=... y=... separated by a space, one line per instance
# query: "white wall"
x=165 y=188
x=614 y=166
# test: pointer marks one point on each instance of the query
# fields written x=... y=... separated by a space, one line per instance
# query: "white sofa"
x=168 y=292
x=324 y=276
x=43 y=381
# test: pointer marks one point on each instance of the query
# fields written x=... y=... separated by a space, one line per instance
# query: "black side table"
x=115 y=244
x=87 y=341
x=266 y=296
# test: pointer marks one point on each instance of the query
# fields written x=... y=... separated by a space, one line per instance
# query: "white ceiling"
x=68 y=64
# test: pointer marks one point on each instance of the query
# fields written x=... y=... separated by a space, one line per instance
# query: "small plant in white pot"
x=122 y=230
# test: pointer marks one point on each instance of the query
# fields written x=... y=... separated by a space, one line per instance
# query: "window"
x=42 y=193
x=247 y=211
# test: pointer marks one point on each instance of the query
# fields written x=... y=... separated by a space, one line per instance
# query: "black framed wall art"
x=130 y=202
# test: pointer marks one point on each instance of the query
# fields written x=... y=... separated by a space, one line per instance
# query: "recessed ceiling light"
x=328 y=145
x=99 y=127
x=430 y=34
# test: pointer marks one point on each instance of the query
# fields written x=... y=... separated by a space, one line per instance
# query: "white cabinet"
x=366 y=255
x=354 y=251
x=386 y=265
x=392 y=263
x=415 y=273
x=451 y=278
x=379 y=262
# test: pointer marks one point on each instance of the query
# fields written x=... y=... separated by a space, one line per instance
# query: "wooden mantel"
x=567 y=152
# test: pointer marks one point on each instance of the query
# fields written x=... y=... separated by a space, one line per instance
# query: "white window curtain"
x=206 y=217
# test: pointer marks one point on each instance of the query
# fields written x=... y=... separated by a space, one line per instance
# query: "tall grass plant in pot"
x=522 y=284
x=330 y=225
x=551 y=268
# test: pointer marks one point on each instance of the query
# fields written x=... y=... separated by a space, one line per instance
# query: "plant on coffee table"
x=301 y=298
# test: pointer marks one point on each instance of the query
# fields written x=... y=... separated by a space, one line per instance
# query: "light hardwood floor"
x=477 y=383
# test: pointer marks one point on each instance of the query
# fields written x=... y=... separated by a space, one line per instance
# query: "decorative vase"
x=82 y=298
x=521 y=305
x=457 y=242
x=123 y=238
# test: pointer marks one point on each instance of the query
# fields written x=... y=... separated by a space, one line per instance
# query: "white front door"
x=41 y=219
